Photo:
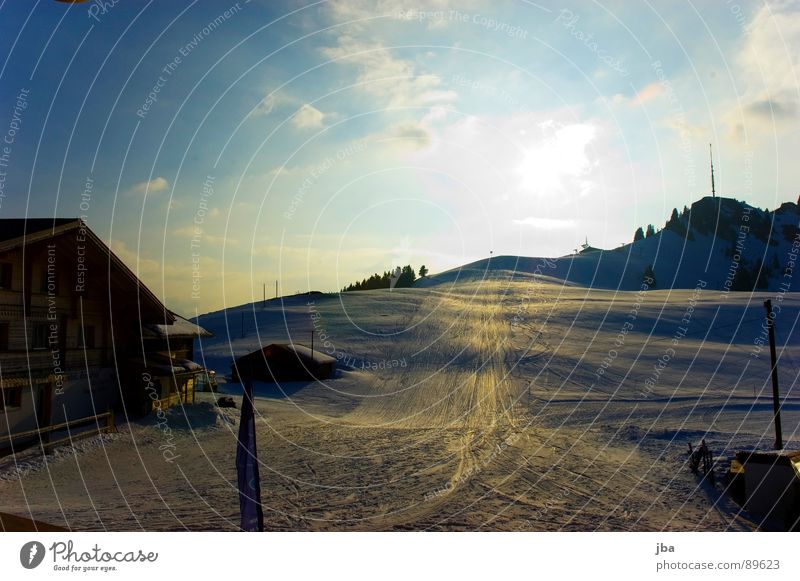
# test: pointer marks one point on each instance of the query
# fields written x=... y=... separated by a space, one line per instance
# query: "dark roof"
x=16 y=232
x=301 y=351
x=11 y=228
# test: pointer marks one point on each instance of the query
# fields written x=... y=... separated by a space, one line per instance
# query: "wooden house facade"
x=71 y=314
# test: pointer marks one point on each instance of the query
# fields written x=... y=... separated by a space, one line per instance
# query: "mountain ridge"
x=719 y=243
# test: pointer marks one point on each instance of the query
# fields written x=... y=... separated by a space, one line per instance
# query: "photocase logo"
x=31 y=555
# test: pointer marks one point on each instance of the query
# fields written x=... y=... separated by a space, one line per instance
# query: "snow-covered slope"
x=489 y=398
x=489 y=405
x=726 y=244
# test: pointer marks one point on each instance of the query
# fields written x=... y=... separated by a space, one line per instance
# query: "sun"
x=547 y=165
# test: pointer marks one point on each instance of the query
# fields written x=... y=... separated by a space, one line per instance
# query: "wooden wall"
x=75 y=377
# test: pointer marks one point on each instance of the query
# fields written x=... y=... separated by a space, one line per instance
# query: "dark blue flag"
x=247 y=465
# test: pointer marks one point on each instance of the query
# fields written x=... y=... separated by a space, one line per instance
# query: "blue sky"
x=336 y=139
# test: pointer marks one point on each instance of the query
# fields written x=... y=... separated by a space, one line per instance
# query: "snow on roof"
x=181 y=328
x=775 y=457
x=162 y=363
x=301 y=351
x=315 y=355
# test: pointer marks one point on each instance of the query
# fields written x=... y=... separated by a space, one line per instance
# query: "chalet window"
x=11 y=398
x=86 y=338
x=39 y=336
x=5 y=276
x=4 y=332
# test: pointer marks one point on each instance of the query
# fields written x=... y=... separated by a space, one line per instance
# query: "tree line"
x=676 y=223
x=400 y=277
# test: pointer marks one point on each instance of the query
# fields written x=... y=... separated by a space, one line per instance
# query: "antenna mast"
x=711 y=155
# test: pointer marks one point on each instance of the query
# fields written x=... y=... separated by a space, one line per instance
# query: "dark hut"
x=284 y=362
x=771 y=485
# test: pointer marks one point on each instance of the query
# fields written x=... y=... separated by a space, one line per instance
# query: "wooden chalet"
x=72 y=314
x=170 y=374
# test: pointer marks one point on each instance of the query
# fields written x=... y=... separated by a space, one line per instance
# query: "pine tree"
x=423 y=271
x=639 y=234
x=676 y=225
x=651 y=231
x=407 y=277
x=673 y=219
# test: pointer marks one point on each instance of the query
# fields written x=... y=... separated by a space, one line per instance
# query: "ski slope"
x=465 y=405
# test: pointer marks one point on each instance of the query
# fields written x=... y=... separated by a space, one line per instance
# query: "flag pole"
x=252 y=514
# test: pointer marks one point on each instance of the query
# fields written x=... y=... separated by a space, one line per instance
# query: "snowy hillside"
x=727 y=244
x=494 y=397
x=485 y=405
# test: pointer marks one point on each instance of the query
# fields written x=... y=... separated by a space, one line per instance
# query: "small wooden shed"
x=284 y=362
x=772 y=485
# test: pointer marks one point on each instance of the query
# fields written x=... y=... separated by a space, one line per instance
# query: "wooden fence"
x=107 y=418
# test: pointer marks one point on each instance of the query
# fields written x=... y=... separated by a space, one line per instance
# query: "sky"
x=219 y=146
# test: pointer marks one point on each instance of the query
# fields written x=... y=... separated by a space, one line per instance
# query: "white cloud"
x=265 y=107
x=525 y=158
x=346 y=10
x=546 y=223
x=308 y=117
x=436 y=115
x=769 y=63
x=281 y=171
x=272 y=101
x=412 y=135
x=155 y=185
x=395 y=82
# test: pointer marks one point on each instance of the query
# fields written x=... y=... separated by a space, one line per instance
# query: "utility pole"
x=776 y=400
x=264 y=299
x=276 y=289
